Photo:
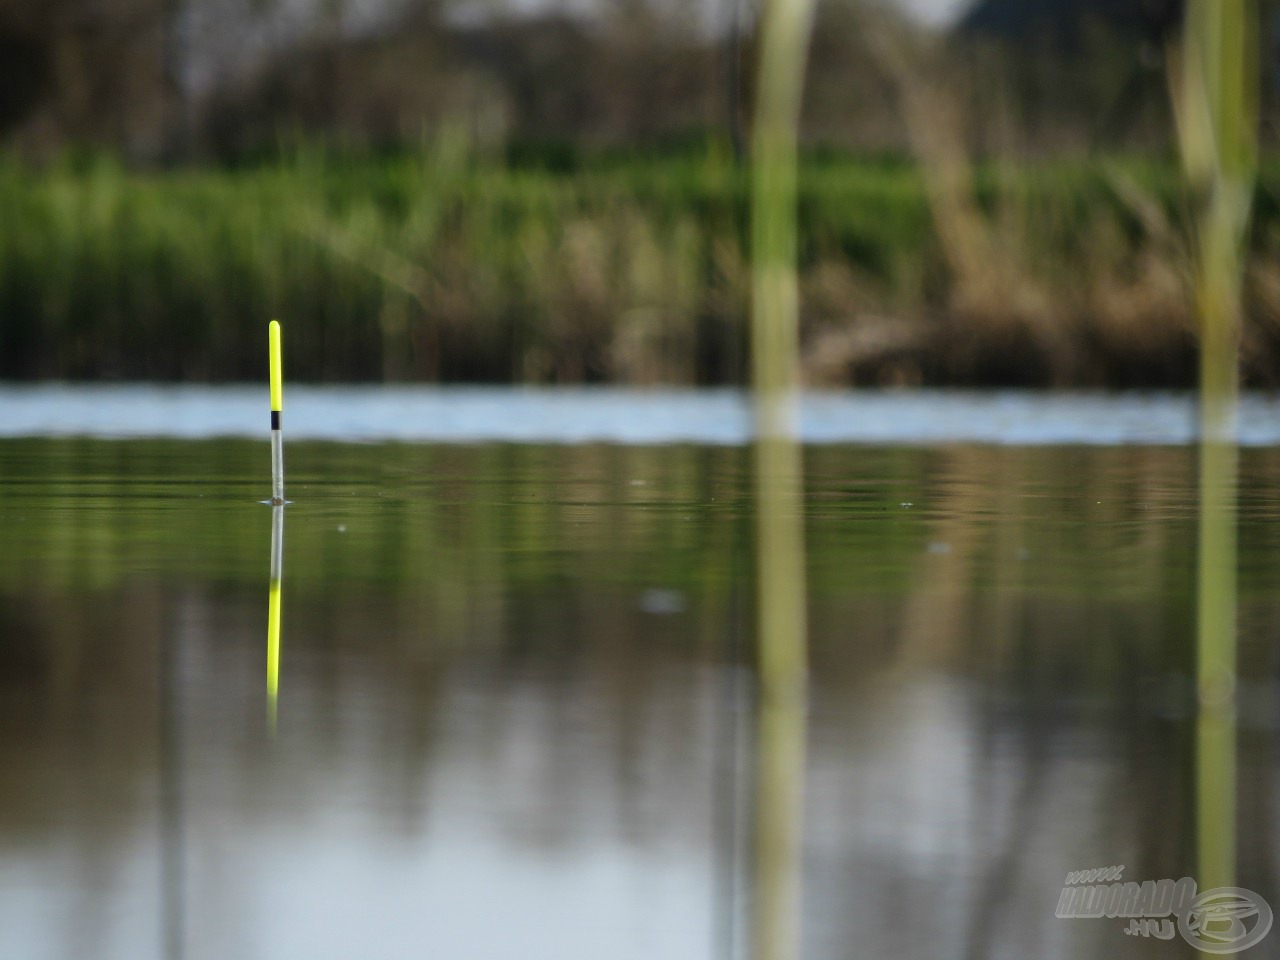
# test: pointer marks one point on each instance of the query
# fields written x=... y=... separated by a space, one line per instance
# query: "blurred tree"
x=82 y=71
x=177 y=81
x=849 y=99
x=1065 y=20
x=628 y=76
x=1079 y=73
x=168 y=78
x=27 y=57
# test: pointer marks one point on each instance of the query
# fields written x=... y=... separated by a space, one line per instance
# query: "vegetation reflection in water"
x=509 y=665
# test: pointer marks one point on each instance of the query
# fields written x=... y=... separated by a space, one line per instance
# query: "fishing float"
x=277 y=522
x=277 y=407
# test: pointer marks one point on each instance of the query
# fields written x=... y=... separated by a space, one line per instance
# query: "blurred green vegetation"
x=442 y=265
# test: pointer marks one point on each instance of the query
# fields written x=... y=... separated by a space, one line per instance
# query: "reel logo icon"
x=1215 y=920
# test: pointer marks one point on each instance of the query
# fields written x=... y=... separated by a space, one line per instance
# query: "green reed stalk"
x=1217 y=112
x=781 y=626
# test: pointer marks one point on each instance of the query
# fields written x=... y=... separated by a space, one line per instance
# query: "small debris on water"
x=662 y=602
x=939 y=547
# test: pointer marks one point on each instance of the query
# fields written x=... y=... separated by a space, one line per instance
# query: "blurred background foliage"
x=554 y=192
x=231 y=79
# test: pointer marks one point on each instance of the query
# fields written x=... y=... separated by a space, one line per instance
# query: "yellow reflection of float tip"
x=273 y=614
x=277 y=377
x=273 y=649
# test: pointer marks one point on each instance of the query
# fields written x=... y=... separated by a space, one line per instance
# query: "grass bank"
x=442 y=267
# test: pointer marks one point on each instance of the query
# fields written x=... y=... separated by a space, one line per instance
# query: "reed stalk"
x=1215 y=98
x=781 y=626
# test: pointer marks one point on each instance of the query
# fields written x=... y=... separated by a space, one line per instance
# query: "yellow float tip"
x=277 y=376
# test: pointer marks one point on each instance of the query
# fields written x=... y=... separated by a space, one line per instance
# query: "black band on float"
x=275 y=419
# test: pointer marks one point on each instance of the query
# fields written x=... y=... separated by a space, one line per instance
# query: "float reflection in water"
x=273 y=613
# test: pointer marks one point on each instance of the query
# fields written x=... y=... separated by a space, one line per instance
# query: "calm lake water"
x=515 y=710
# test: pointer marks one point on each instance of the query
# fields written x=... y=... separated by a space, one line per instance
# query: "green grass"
x=441 y=266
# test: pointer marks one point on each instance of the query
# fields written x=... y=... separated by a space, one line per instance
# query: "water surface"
x=515 y=707
x=581 y=415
